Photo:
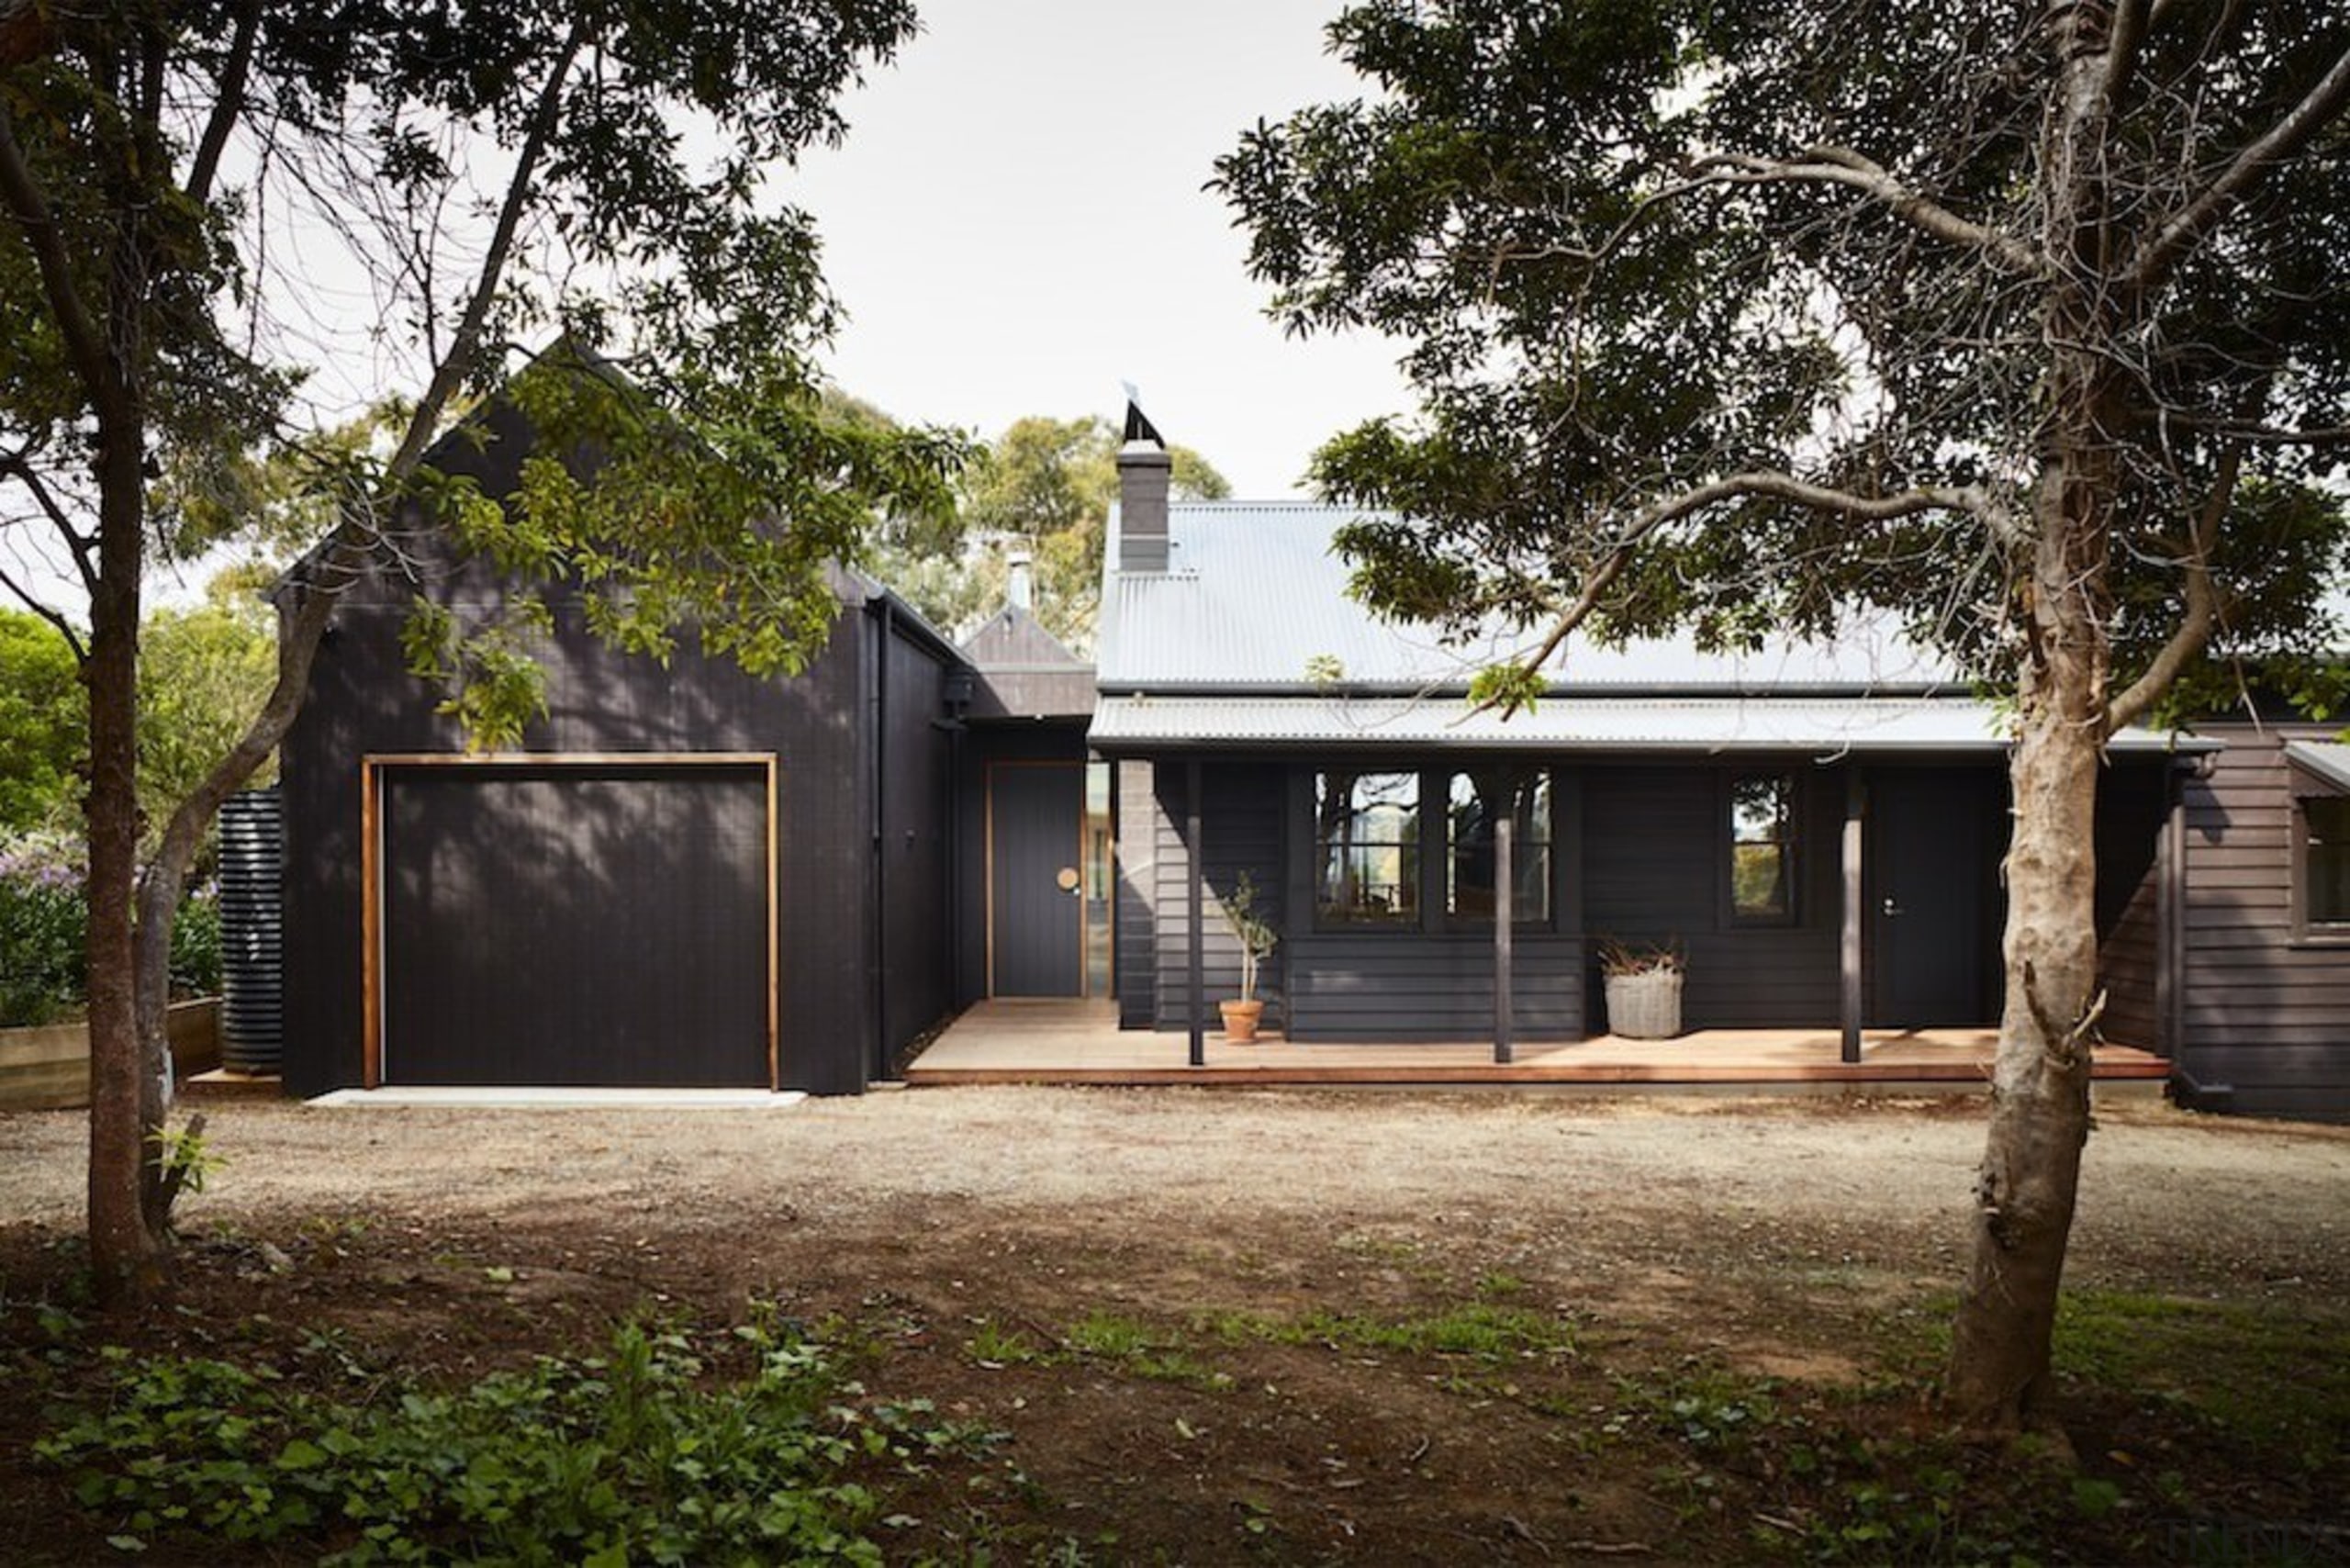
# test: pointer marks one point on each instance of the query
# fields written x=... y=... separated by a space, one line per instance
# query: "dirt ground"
x=1192 y=1314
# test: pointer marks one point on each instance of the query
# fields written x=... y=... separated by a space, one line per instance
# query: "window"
x=1476 y=801
x=1763 y=848
x=2325 y=862
x=1367 y=848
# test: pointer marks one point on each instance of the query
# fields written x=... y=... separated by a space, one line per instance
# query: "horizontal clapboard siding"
x=1653 y=857
x=1240 y=817
x=2262 y=1013
x=1400 y=986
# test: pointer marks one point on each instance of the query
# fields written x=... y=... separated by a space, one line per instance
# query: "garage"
x=571 y=922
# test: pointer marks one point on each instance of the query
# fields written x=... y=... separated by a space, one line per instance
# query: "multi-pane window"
x=1476 y=801
x=2326 y=861
x=1762 y=847
x=1367 y=848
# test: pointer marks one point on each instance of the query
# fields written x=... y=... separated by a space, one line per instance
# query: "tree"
x=2027 y=325
x=1043 y=485
x=487 y=173
x=203 y=675
x=40 y=723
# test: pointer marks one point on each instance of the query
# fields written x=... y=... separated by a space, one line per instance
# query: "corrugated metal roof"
x=2328 y=761
x=1255 y=598
x=1699 y=724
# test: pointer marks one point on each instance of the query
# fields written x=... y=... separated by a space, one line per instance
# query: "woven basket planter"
x=1645 y=1006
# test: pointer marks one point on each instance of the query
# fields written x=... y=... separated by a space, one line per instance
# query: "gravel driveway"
x=2162 y=1189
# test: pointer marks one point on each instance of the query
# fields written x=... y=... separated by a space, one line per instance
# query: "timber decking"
x=1079 y=1043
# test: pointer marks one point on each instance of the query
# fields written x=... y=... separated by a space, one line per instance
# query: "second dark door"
x=1035 y=892
x=1932 y=877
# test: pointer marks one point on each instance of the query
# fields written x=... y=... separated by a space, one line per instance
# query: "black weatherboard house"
x=1817 y=829
x=693 y=877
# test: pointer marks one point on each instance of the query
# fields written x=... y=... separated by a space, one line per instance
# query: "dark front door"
x=1932 y=876
x=1036 y=891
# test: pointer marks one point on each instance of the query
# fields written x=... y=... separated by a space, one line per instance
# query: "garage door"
x=580 y=924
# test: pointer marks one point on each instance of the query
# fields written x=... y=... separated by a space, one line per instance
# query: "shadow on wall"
x=572 y=925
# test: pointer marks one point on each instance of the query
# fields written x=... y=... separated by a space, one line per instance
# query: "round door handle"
x=1066 y=879
x=1892 y=907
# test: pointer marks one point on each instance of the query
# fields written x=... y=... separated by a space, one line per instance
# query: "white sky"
x=1015 y=225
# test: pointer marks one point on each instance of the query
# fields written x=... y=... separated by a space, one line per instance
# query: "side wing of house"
x=2264 y=951
x=685 y=876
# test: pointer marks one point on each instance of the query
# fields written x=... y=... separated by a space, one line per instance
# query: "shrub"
x=44 y=920
x=196 y=945
x=42 y=916
x=636 y=1456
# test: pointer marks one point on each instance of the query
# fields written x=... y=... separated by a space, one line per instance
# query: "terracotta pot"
x=1240 y=1019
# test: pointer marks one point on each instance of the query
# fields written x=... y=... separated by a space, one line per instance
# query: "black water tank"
x=252 y=931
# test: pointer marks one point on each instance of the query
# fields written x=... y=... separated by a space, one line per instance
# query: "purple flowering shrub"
x=44 y=913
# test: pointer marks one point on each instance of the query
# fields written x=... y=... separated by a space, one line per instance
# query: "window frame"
x=1791 y=848
x=2307 y=930
x=1411 y=921
x=1432 y=889
x=1480 y=925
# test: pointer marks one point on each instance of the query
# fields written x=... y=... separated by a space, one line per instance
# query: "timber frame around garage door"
x=373 y=769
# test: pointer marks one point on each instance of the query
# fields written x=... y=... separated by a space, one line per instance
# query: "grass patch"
x=1141 y=1350
x=1477 y=1329
x=638 y=1455
x=2272 y=1377
x=2275 y=1376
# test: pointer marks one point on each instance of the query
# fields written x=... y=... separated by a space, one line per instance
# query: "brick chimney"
x=1144 y=472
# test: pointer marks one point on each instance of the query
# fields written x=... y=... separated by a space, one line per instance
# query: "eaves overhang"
x=1825 y=727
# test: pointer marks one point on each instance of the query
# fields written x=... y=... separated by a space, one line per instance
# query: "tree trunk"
x=125 y=1252
x=2024 y=1193
x=2040 y=1106
x=165 y=879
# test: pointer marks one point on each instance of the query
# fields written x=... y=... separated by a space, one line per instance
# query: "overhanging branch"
x=228 y=104
x=2129 y=36
x=450 y=373
x=1841 y=166
x=29 y=208
x=16 y=466
x=1762 y=484
x=24 y=596
x=2184 y=229
x=2202 y=604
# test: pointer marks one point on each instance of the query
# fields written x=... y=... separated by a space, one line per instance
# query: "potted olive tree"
x=1643 y=985
x=1257 y=939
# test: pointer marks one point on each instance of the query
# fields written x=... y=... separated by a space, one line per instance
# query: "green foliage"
x=1254 y=933
x=187 y=1153
x=1605 y=311
x=43 y=917
x=1045 y=486
x=641 y=1455
x=40 y=724
x=1478 y=1330
x=494 y=683
x=195 y=943
x=44 y=920
x=203 y=675
x=1511 y=687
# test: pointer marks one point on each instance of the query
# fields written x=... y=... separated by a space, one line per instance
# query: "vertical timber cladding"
x=571 y=920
